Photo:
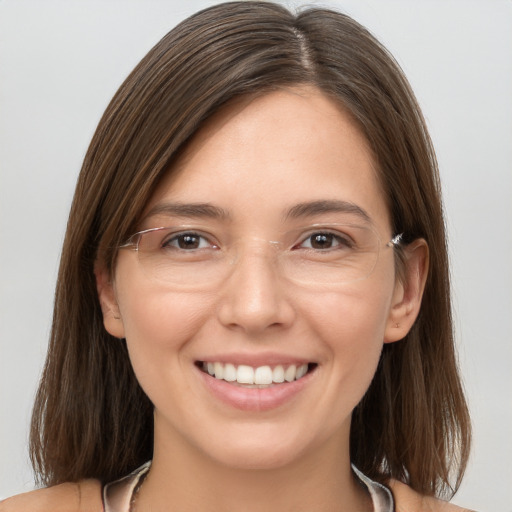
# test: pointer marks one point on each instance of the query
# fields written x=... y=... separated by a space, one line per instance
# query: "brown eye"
x=319 y=241
x=322 y=241
x=186 y=241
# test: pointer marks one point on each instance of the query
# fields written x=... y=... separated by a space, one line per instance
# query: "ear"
x=408 y=292
x=106 y=293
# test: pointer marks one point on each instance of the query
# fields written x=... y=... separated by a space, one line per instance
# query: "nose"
x=253 y=298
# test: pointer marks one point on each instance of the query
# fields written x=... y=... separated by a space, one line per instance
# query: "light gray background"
x=60 y=63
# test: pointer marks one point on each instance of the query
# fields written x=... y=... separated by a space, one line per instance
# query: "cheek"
x=352 y=317
x=351 y=325
x=157 y=318
x=158 y=326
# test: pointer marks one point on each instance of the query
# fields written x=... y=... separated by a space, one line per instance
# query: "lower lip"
x=255 y=399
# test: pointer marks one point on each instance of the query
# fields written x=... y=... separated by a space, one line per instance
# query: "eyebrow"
x=312 y=208
x=193 y=210
x=300 y=210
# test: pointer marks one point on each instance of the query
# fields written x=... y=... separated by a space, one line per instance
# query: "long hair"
x=91 y=418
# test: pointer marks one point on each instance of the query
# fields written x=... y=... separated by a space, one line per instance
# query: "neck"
x=181 y=478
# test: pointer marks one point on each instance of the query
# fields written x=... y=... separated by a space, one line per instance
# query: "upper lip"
x=255 y=360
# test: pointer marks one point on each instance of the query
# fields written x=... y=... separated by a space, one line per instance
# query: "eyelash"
x=177 y=236
x=341 y=240
x=337 y=239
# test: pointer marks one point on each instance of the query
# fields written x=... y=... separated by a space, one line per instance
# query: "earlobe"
x=408 y=292
x=109 y=307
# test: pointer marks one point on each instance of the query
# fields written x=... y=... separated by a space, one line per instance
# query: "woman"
x=253 y=292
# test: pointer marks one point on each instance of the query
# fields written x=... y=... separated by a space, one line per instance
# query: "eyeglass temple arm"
x=396 y=240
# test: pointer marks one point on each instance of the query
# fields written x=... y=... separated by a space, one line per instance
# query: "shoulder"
x=84 y=496
x=407 y=499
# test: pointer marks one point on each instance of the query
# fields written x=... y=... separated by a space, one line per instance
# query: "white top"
x=117 y=496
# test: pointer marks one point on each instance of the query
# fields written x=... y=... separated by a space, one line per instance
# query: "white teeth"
x=244 y=374
x=261 y=376
x=230 y=372
x=290 y=373
x=219 y=370
x=278 y=374
x=301 y=371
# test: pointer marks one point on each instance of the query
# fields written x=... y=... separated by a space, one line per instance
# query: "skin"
x=288 y=147
x=85 y=496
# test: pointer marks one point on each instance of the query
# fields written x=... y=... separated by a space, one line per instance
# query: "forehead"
x=275 y=151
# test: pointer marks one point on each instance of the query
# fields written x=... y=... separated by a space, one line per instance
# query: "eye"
x=325 y=241
x=187 y=242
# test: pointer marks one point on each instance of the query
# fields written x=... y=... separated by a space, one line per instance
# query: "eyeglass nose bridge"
x=254 y=247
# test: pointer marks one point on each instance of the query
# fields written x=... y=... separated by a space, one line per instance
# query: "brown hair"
x=91 y=418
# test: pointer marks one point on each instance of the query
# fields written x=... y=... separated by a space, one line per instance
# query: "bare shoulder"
x=408 y=500
x=84 y=496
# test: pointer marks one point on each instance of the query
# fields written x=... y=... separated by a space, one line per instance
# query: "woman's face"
x=266 y=181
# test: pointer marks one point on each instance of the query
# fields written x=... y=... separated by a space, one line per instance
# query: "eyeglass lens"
x=325 y=257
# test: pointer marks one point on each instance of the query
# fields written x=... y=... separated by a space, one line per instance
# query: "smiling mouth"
x=259 y=377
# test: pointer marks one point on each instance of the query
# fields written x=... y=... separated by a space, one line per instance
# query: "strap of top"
x=117 y=495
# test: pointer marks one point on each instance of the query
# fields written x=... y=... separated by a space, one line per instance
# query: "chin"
x=257 y=458
x=270 y=448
